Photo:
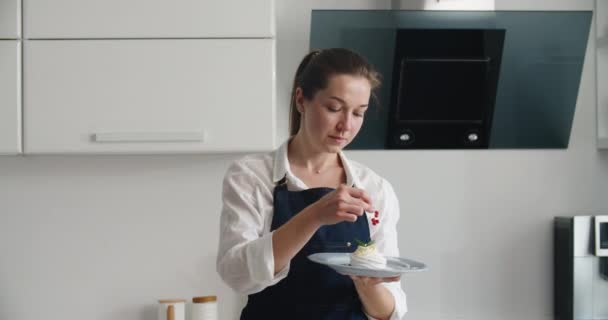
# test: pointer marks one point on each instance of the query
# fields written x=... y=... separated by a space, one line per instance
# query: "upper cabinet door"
x=149 y=96
x=10 y=98
x=61 y=19
x=10 y=21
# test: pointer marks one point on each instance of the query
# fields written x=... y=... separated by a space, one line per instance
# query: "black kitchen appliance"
x=580 y=256
x=444 y=87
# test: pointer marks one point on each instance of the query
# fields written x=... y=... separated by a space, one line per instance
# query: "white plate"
x=341 y=263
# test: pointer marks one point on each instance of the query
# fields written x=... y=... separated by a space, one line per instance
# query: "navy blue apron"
x=310 y=290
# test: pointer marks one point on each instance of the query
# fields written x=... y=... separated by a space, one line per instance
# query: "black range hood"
x=464 y=80
x=443 y=89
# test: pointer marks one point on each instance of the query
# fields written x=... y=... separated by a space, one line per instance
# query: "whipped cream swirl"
x=367 y=257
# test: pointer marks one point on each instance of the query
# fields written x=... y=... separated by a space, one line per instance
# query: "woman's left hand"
x=372 y=281
x=377 y=301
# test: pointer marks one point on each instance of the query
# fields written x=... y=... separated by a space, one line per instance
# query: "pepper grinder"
x=171 y=309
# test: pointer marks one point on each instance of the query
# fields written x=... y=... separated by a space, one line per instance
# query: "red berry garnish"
x=376 y=214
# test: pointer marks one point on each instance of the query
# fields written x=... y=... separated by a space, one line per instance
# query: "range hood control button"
x=473 y=137
x=405 y=137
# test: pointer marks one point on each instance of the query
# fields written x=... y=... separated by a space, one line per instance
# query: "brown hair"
x=318 y=66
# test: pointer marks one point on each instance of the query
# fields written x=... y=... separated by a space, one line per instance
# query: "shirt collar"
x=281 y=166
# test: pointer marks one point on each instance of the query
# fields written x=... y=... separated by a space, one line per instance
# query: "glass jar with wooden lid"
x=204 y=308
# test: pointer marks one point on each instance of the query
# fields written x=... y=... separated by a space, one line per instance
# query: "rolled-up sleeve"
x=245 y=259
x=385 y=237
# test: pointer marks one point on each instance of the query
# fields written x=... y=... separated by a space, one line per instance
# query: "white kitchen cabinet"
x=10 y=97
x=443 y=4
x=10 y=19
x=60 y=19
x=149 y=96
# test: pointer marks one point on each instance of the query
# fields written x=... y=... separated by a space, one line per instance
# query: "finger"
x=358 y=193
x=365 y=207
x=391 y=279
x=360 y=196
x=351 y=208
x=372 y=281
x=345 y=216
x=376 y=280
x=364 y=280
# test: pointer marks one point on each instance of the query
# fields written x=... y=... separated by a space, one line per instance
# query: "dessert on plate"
x=366 y=256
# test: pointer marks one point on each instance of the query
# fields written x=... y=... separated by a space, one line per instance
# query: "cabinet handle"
x=149 y=136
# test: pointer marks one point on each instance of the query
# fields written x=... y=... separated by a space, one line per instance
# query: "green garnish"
x=363 y=244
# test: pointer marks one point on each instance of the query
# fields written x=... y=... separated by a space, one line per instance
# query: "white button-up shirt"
x=245 y=258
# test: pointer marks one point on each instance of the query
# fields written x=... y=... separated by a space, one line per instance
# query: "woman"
x=306 y=197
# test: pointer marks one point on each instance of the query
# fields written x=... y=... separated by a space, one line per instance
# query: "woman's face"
x=334 y=116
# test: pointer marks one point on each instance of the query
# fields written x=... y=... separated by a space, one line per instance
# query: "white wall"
x=103 y=237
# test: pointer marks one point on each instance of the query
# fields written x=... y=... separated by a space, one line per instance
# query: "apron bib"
x=310 y=290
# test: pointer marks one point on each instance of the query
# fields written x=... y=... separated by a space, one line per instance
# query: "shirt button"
x=348 y=244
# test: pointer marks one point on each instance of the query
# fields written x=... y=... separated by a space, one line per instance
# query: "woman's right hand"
x=343 y=204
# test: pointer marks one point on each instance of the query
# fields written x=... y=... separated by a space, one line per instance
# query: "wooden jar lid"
x=172 y=300
x=204 y=299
